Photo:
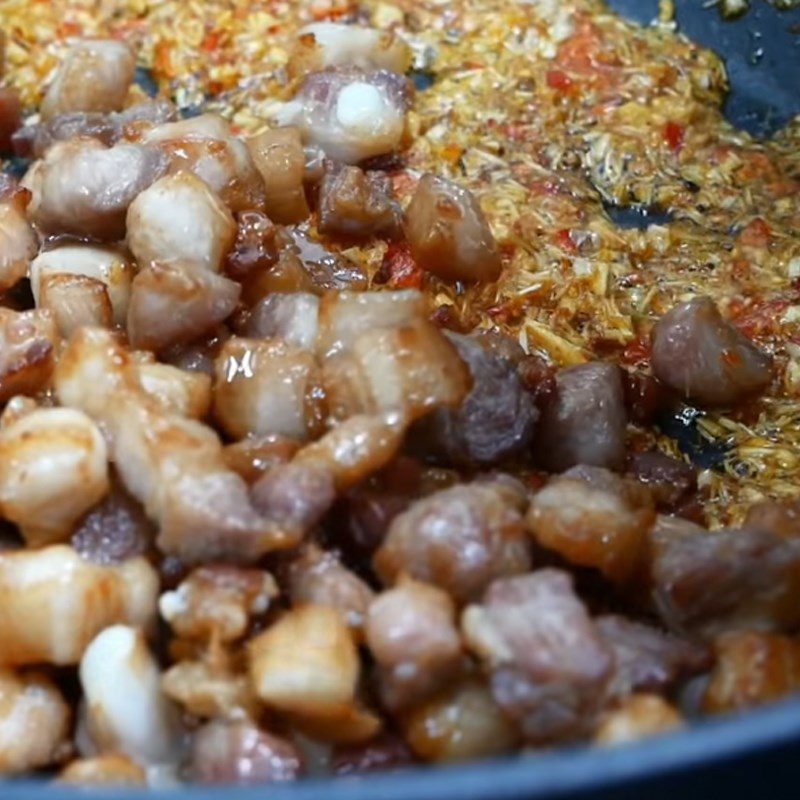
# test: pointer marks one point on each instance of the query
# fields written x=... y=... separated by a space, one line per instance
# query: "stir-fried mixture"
x=342 y=429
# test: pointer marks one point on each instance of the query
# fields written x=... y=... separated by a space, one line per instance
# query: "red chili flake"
x=756 y=234
x=564 y=241
x=162 y=60
x=403 y=271
x=740 y=268
x=559 y=80
x=674 y=135
x=761 y=319
x=211 y=41
x=637 y=352
x=66 y=29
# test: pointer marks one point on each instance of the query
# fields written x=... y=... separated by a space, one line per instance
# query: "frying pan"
x=756 y=755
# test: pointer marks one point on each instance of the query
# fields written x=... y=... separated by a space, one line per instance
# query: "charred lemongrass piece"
x=94 y=76
x=53 y=469
x=53 y=603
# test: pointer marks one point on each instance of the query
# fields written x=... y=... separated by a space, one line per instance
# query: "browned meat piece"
x=408 y=370
x=782 y=519
x=239 y=753
x=708 y=582
x=670 y=481
x=352 y=114
x=268 y=387
x=647 y=659
x=460 y=539
x=206 y=147
x=84 y=188
x=291 y=317
x=594 y=518
x=278 y=155
x=175 y=303
x=584 y=422
x=27 y=351
x=463 y=723
x=385 y=753
x=217 y=602
x=494 y=422
x=295 y=495
x=358 y=204
x=411 y=633
x=319 y=577
x=752 y=669
x=449 y=234
x=355 y=448
x=10 y=117
x=34 y=140
x=93 y=76
x=75 y=301
x=117 y=529
x=345 y=316
x=256 y=246
x=18 y=240
x=34 y=723
x=254 y=456
x=645 y=396
x=549 y=665
x=305 y=266
x=637 y=717
x=107 y=770
x=706 y=358
x=368 y=509
x=198 y=355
